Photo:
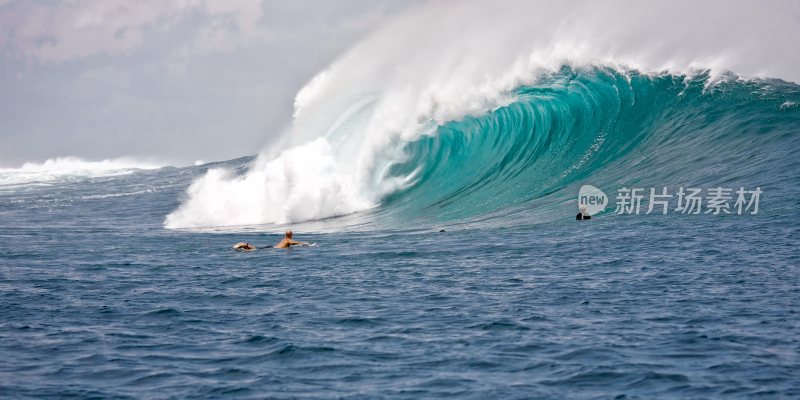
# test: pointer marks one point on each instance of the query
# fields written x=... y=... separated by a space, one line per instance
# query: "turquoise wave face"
x=526 y=161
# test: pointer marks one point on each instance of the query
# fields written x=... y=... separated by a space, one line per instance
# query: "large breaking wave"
x=467 y=112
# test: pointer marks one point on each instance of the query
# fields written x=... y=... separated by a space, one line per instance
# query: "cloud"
x=233 y=23
x=77 y=29
x=74 y=29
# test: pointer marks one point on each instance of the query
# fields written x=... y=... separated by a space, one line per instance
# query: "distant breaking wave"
x=70 y=168
x=465 y=111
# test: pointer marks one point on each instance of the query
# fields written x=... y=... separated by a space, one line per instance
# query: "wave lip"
x=69 y=168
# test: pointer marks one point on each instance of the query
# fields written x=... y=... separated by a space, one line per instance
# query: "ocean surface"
x=119 y=283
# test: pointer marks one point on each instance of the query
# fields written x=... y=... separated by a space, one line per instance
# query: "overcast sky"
x=164 y=80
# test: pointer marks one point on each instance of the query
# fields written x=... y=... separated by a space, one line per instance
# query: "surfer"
x=287 y=242
x=243 y=246
x=583 y=214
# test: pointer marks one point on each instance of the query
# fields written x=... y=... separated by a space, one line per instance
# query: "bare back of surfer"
x=287 y=242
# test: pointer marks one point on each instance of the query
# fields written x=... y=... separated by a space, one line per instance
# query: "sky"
x=167 y=81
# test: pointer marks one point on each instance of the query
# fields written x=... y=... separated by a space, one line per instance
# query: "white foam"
x=446 y=60
x=303 y=183
x=66 y=168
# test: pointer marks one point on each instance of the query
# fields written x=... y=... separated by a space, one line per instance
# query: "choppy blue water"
x=515 y=300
